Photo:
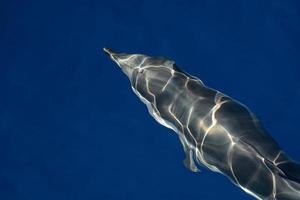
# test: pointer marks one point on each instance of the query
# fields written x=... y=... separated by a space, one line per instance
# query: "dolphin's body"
x=214 y=129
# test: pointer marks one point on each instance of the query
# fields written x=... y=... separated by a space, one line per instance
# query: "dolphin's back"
x=224 y=135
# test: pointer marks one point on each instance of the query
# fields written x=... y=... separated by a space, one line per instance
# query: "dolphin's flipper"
x=189 y=161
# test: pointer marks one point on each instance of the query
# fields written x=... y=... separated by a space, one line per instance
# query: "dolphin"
x=216 y=131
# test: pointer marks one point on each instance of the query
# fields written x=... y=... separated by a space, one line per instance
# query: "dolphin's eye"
x=141 y=70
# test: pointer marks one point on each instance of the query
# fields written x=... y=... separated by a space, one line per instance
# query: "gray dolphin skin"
x=215 y=130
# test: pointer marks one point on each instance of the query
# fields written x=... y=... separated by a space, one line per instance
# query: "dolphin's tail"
x=266 y=179
x=291 y=170
x=288 y=181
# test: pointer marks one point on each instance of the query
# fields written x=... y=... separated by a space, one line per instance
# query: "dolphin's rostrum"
x=215 y=130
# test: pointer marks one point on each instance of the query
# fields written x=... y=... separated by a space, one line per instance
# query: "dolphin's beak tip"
x=107 y=50
x=111 y=54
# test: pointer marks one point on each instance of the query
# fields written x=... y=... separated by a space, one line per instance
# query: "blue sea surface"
x=70 y=126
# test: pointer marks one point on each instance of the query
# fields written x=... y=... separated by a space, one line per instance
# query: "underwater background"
x=70 y=125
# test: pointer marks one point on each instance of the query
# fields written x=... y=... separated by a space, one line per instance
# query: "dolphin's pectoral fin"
x=189 y=161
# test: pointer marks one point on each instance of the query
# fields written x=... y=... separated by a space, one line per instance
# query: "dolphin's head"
x=127 y=62
x=148 y=75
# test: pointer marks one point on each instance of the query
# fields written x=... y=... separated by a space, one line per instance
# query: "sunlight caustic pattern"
x=215 y=130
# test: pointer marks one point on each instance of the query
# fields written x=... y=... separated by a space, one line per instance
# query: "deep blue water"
x=70 y=126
